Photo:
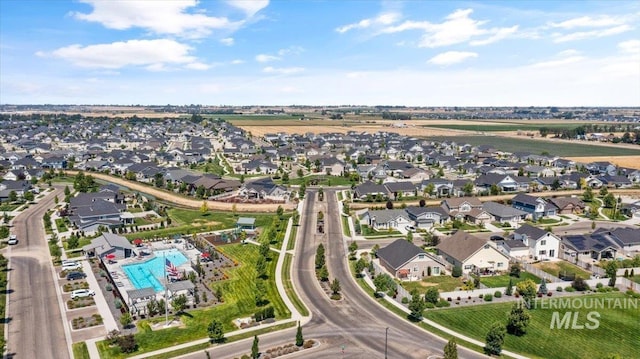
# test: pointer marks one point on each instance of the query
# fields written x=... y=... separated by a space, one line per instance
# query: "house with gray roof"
x=543 y=245
x=386 y=219
x=109 y=243
x=401 y=189
x=427 y=217
x=628 y=239
x=406 y=261
x=505 y=214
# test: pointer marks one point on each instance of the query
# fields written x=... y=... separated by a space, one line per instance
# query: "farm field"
x=616 y=334
x=504 y=126
x=624 y=161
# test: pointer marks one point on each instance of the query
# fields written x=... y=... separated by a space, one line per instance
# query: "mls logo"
x=571 y=320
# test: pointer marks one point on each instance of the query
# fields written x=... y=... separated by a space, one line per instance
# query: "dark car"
x=75 y=275
x=496 y=238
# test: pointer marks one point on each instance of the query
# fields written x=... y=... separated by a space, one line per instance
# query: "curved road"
x=356 y=322
x=35 y=327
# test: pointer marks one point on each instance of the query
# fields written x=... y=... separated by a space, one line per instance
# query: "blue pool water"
x=151 y=273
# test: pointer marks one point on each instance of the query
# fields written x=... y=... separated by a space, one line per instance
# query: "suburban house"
x=109 y=243
x=90 y=211
x=515 y=249
x=427 y=217
x=369 y=190
x=263 y=188
x=401 y=189
x=472 y=254
x=405 y=260
x=568 y=205
x=504 y=214
x=588 y=247
x=628 y=239
x=542 y=245
x=466 y=209
x=386 y=219
x=535 y=206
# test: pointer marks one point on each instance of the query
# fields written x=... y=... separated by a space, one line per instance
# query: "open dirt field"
x=408 y=131
x=624 y=161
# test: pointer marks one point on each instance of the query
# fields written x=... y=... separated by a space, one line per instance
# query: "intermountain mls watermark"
x=570 y=312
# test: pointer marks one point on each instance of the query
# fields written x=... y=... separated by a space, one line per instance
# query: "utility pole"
x=386 y=333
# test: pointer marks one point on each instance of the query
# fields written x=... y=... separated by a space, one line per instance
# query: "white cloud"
x=153 y=54
x=593 y=34
x=197 y=66
x=291 y=50
x=161 y=17
x=227 y=41
x=237 y=62
x=559 y=62
x=457 y=27
x=266 y=58
x=588 y=21
x=250 y=7
x=282 y=70
x=382 y=19
x=630 y=46
x=452 y=57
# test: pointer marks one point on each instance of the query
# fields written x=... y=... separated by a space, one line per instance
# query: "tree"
x=323 y=273
x=432 y=295
x=518 y=320
x=384 y=283
x=389 y=205
x=579 y=284
x=527 y=290
x=543 y=288
x=611 y=268
x=13 y=196
x=260 y=290
x=280 y=211
x=416 y=306
x=609 y=200
x=494 y=190
x=495 y=339
x=335 y=286
x=29 y=196
x=261 y=268
x=204 y=208
x=285 y=177
x=73 y=242
x=468 y=188
x=216 y=331
x=409 y=237
x=320 y=259
x=604 y=191
x=126 y=320
x=353 y=247
x=456 y=272
x=264 y=248
x=299 y=337
x=255 y=351
x=515 y=270
x=127 y=343
x=422 y=203
x=509 y=290
x=359 y=266
x=179 y=303
x=67 y=191
x=451 y=349
x=587 y=195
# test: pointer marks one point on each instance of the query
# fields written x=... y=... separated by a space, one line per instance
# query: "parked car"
x=81 y=293
x=71 y=266
x=68 y=262
x=75 y=275
x=410 y=228
x=496 y=238
x=13 y=239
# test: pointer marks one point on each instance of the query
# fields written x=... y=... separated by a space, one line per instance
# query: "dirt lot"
x=624 y=161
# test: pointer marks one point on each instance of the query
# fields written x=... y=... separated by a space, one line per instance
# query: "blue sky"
x=245 y=52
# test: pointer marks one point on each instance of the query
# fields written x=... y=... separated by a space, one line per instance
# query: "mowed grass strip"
x=498 y=281
x=345 y=226
x=288 y=286
x=617 y=332
x=560 y=267
x=444 y=283
x=80 y=351
x=566 y=149
x=239 y=302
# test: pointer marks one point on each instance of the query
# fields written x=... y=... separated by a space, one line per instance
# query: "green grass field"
x=498 y=281
x=288 y=285
x=239 y=302
x=444 y=283
x=506 y=126
x=323 y=180
x=80 y=351
x=345 y=226
x=537 y=147
x=617 y=332
x=555 y=268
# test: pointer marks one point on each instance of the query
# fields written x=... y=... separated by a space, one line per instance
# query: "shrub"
x=569 y=289
x=559 y=289
x=308 y=344
x=443 y=304
x=118 y=304
x=405 y=300
x=429 y=305
x=480 y=296
x=108 y=287
x=599 y=285
x=488 y=297
x=497 y=294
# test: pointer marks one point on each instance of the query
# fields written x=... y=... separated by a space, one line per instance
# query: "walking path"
x=101 y=302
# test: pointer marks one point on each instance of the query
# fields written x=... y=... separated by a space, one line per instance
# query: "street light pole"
x=386 y=332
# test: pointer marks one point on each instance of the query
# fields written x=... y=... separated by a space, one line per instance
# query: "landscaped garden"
x=498 y=281
x=444 y=283
x=86 y=322
x=562 y=269
x=617 y=332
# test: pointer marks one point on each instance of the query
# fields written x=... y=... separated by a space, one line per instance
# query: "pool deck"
x=122 y=280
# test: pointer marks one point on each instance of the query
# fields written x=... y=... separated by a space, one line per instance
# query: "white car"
x=13 y=239
x=71 y=266
x=68 y=262
x=81 y=293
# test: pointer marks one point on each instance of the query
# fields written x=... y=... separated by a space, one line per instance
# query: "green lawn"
x=340 y=196
x=292 y=239
x=617 y=332
x=444 y=283
x=214 y=167
x=548 y=221
x=498 y=281
x=323 y=180
x=239 y=302
x=288 y=285
x=557 y=267
x=61 y=224
x=80 y=351
x=6 y=207
x=345 y=226
x=635 y=278
x=369 y=232
x=3 y=295
x=576 y=149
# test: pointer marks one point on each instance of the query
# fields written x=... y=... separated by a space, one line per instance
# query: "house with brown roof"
x=472 y=254
x=405 y=260
x=466 y=209
x=568 y=205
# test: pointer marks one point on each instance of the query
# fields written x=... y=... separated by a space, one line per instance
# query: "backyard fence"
x=540 y=273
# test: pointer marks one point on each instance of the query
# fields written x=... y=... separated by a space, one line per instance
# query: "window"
x=500 y=264
x=435 y=270
x=468 y=267
x=420 y=256
x=543 y=242
x=415 y=269
x=542 y=253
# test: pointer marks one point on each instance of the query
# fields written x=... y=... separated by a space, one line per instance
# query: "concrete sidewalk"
x=101 y=302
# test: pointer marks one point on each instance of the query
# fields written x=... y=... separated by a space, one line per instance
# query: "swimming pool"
x=151 y=273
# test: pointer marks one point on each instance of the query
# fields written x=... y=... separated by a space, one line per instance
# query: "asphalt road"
x=356 y=323
x=34 y=320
